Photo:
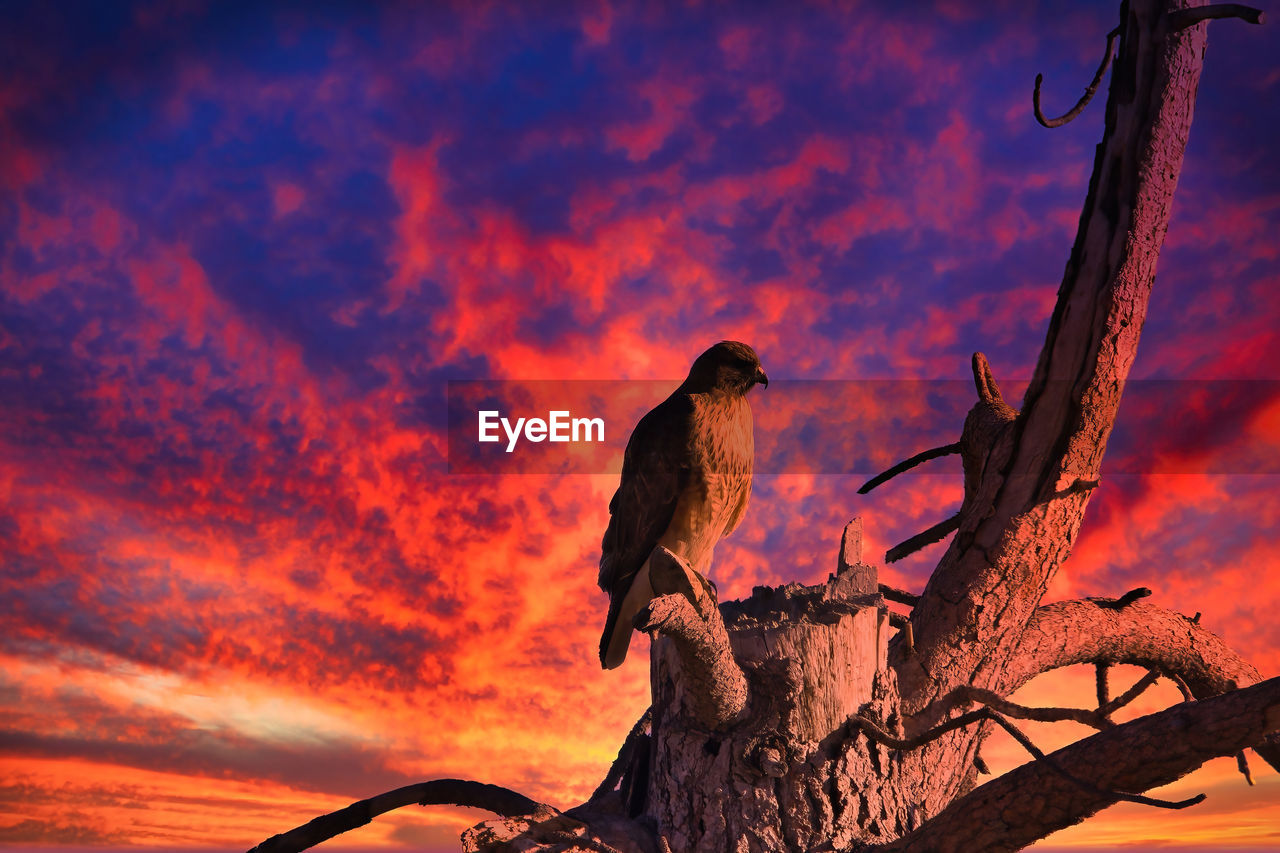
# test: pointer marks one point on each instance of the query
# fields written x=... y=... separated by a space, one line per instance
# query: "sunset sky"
x=245 y=251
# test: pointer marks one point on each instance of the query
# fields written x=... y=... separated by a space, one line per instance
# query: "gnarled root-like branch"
x=455 y=792
x=1074 y=632
x=873 y=731
x=1025 y=804
x=1099 y=718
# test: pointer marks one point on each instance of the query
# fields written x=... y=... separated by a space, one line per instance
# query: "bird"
x=686 y=480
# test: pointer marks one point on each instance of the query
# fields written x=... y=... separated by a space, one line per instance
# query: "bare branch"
x=1242 y=764
x=1074 y=632
x=901 y=596
x=939 y=531
x=1129 y=695
x=1088 y=92
x=454 y=792
x=671 y=575
x=1021 y=512
x=1180 y=19
x=908 y=464
x=1021 y=712
x=1010 y=812
x=1098 y=718
x=1102 y=688
x=873 y=731
x=984 y=381
x=1083 y=631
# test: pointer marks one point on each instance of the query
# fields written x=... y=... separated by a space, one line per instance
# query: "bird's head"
x=728 y=366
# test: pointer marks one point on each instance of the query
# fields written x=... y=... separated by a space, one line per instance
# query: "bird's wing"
x=655 y=470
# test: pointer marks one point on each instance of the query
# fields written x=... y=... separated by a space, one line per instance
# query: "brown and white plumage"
x=686 y=479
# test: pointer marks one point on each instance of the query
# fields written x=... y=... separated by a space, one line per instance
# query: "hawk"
x=686 y=478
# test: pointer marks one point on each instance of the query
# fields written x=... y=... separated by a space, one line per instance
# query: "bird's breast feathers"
x=715 y=498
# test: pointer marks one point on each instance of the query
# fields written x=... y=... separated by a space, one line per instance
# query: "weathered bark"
x=1022 y=515
x=1073 y=632
x=1022 y=512
x=711 y=684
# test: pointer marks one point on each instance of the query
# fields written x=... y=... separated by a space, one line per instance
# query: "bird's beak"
x=761 y=378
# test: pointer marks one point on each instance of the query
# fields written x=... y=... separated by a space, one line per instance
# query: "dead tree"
x=792 y=721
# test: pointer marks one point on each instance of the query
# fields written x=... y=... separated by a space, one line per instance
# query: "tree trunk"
x=782 y=777
x=792 y=773
x=790 y=721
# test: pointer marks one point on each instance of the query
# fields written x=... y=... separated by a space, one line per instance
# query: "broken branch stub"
x=713 y=684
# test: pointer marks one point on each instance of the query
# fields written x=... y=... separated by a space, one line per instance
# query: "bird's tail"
x=614 y=643
x=616 y=638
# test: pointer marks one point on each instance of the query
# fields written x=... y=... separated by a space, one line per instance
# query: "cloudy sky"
x=244 y=252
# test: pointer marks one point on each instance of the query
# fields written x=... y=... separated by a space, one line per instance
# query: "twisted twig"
x=1022 y=712
x=1105 y=711
x=1088 y=93
x=873 y=731
x=1099 y=718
